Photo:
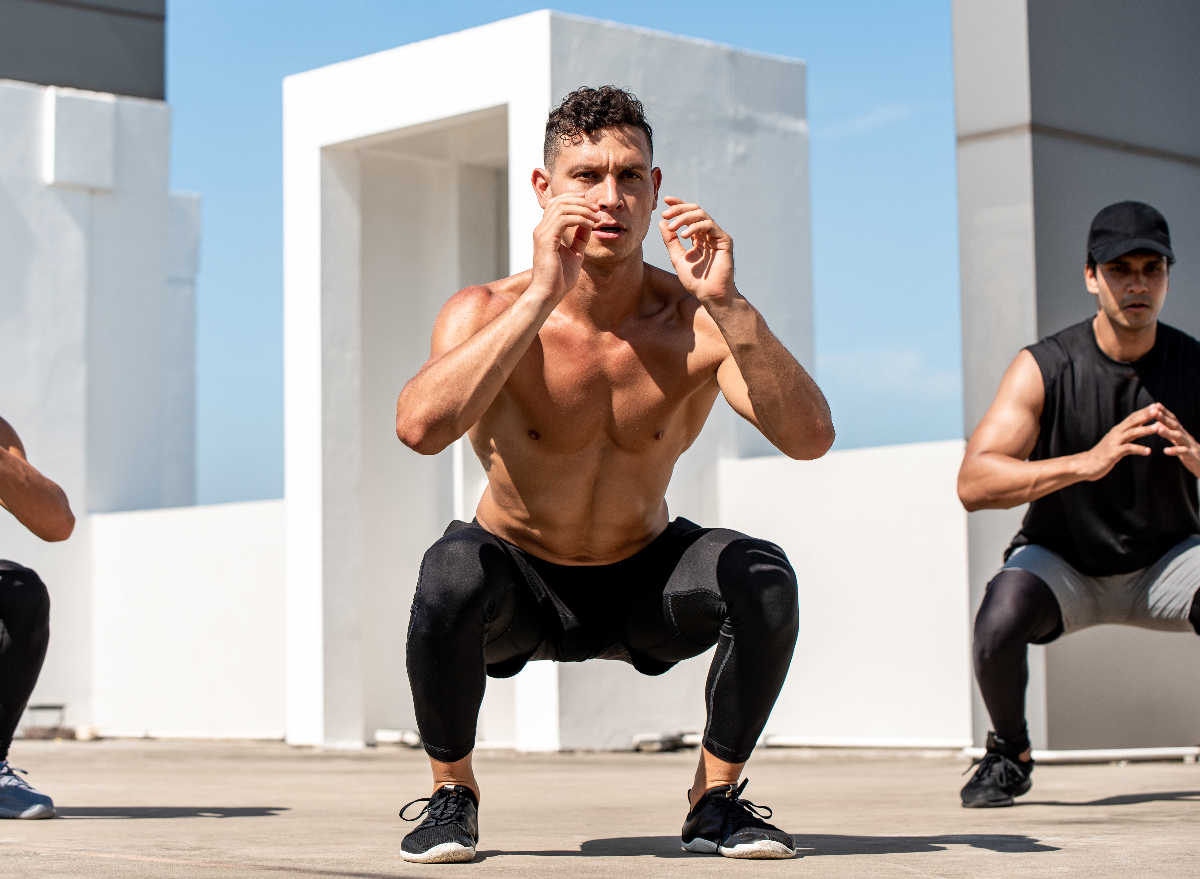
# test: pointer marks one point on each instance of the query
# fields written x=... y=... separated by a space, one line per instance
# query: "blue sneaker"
x=18 y=799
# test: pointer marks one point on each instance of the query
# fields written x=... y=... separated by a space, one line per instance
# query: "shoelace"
x=445 y=811
x=739 y=812
x=988 y=766
x=7 y=768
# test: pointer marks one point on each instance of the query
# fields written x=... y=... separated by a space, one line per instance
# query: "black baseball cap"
x=1125 y=226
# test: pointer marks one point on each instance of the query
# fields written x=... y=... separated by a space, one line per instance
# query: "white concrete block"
x=188 y=620
x=879 y=543
x=78 y=135
x=183 y=256
x=96 y=341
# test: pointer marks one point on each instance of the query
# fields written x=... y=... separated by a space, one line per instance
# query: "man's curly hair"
x=585 y=111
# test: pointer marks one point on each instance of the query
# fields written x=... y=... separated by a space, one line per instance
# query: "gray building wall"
x=115 y=46
x=1065 y=106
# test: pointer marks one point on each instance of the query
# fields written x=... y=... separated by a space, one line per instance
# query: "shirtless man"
x=579 y=384
x=1093 y=427
x=39 y=505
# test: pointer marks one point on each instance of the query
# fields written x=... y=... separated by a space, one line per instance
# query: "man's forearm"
x=35 y=501
x=790 y=409
x=451 y=393
x=992 y=481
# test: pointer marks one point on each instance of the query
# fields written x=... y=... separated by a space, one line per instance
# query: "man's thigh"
x=683 y=616
x=1158 y=597
x=471 y=587
x=1166 y=592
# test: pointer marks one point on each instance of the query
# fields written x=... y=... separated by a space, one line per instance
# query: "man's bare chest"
x=567 y=394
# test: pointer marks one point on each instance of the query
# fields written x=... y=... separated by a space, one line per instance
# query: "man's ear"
x=541 y=186
x=1089 y=278
x=656 y=176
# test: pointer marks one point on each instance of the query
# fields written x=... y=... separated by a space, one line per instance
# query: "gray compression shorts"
x=1156 y=597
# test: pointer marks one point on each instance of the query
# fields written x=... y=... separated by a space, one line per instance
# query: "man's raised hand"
x=559 y=241
x=1120 y=442
x=706 y=268
x=1183 y=444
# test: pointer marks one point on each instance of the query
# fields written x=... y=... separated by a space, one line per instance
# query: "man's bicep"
x=1013 y=421
x=733 y=388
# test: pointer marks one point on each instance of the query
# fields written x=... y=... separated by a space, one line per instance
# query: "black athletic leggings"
x=1018 y=609
x=24 y=634
x=485 y=607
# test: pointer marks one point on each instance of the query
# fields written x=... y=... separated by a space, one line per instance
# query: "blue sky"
x=885 y=241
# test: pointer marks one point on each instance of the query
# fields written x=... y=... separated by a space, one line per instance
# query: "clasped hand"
x=1122 y=441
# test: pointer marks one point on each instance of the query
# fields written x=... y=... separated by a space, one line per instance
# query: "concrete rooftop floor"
x=174 y=809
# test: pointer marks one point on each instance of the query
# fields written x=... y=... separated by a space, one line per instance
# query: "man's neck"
x=607 y=295
x=1122 y=343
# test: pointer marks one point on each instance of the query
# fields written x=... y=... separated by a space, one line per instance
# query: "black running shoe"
x=450 y=830
x=722 y=823
x=1001 y=775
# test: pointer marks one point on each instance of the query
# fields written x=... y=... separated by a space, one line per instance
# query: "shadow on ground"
x=1125 y=799
x=807 y=846
x=168 y=811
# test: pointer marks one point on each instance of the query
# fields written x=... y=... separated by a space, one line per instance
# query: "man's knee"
x=459 y=575
x=1017 y=609
x=24 y=597
x=757 y=580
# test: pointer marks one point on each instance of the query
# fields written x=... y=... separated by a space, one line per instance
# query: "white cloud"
x=897 y=371
x=879 y=117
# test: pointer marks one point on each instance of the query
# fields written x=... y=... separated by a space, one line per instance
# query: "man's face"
x=611 y=168
x=1131 y=289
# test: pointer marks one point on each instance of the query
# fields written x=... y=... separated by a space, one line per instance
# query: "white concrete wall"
x=188 y=622
x=363 y=156
x=878 y=541
x=96 y=324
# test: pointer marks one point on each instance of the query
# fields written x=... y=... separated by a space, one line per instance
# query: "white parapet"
x=879 y=543
x=188 y=621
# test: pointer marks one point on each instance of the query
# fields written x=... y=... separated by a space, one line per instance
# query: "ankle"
x=469 y=784
x=697 y=791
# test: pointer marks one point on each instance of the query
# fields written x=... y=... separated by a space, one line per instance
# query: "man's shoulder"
x=1074 y=337
x=1052 y=353
x=1179 y=339
x=487 y=300
x=670 y=290
x=664 y=282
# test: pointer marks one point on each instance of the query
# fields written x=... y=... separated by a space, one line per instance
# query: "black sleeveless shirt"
x=1145 y=505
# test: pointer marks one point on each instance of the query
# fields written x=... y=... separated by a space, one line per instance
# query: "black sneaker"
x=1001 y=775
x=450 y=830
x=722 y=823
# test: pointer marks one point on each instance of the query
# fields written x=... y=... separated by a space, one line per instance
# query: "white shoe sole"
x=766 y=849
x=41 y=810
x=763 y=850
x=446 y=853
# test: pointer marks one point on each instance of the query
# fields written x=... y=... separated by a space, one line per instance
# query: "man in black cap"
x=1094 y=428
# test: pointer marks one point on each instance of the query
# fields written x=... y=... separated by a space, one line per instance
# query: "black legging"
x=24 y=634
x=1018 y=609
x=484 y=606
